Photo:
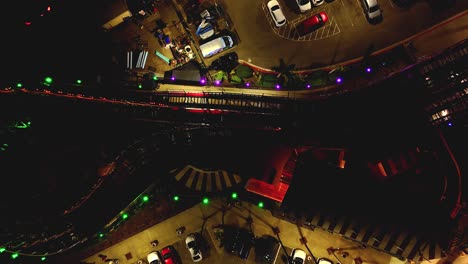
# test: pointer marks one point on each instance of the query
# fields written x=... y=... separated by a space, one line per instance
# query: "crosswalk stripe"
x=208 y=181
x=201 y=176
x=390 y=242
x=411 y=246
x=218 y=181
x=226 y=179
x=181 y=173
x=415 y=249
x=345 y=225
x=370 y=232
x=190 y=179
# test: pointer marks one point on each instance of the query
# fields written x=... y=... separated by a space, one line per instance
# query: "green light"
x=155 y=78
x=260 y=204
x=205 y=200
x=48 y=79
x=140 y=86
x=125 y=216
x=19 y=85
x=2 y=250
x=234 y=195
x=78 y=81
x=43 y=258
x=101 y=235
x=14 y=255
x=176 y=198
x=145 y=198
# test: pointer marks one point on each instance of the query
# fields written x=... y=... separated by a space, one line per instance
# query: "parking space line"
x=350 y=20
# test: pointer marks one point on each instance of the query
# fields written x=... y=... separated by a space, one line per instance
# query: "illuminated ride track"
x=232 y=110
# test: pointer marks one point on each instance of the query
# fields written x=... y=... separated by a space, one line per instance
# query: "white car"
x=276 y=13
x=304 y=5
x=191 y=243
x=372 y=9
x=298 y=256
x=324 y=261
x=317 y=2
x=154 y=258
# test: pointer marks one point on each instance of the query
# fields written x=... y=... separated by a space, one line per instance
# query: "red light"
x=48 y=9
x=27 y=23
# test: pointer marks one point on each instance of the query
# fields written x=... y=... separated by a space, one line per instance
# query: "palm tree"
x=284 y=72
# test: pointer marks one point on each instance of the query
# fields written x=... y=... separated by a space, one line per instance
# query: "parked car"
x=298 y=256
x=276 y=13
x=169 y=255
x=312 y=23
x=317 y=2
x=192 y=244
x=372 y=9
x=154 y=258
x=304 y=5
x=266 y=249
x=238 y=241
x=324 y=261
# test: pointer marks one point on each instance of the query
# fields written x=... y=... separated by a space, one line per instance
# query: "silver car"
x=372 y=9
x=276 y=13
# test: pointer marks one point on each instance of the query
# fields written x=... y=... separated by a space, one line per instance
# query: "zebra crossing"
x=205 y=181
x=387 y=238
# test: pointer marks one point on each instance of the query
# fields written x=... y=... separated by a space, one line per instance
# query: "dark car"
x=312 y=23
x=266 y=249
x=238 y=241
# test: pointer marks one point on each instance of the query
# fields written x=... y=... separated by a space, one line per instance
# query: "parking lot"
x=214 y=254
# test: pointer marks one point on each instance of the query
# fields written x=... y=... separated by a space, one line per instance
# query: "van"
x=216 y=45
x=372 y=9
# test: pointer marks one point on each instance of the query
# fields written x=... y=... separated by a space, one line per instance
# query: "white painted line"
x=350 y=20
x=328 y=33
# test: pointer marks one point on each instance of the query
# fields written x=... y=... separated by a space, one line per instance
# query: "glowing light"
x=27 y=23
x=278 y=87
x=202 y=81
x=78 y=81
x=247 y=84
x=450 y=124
x=217 y=82
x=339 y=80
x=145 y=198
x=14 y=255
x=172 y=78
x=19 y=85
x=368 y=69
x=125 y=216
x=234 y=195
x=176 y=198
x=260 y=204
x=205 y=200
x=308 y=86
x=43 y=258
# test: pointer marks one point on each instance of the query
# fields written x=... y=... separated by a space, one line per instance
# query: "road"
x=346 y=36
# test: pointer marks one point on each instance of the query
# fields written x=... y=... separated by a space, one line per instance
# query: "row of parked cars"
x=371 y=8
x=239 y=242
x=168 y=255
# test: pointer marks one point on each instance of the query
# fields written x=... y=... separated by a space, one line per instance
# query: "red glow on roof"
x=271 y=191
